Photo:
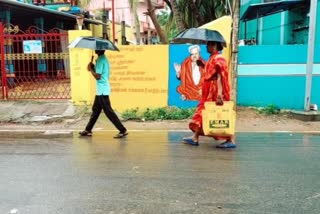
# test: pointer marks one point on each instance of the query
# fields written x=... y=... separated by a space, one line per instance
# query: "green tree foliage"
x=167 y=23
x=195 y=13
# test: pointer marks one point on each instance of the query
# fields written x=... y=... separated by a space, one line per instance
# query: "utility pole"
x=123 y=33
x=311 y=42
x=113 y=23
x=105 y=22
x=234 y=51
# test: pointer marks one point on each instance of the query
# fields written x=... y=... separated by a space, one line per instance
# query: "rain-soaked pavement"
x=155 y=173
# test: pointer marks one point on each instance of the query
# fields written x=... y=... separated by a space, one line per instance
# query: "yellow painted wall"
x=139 y=76
x=82 y=83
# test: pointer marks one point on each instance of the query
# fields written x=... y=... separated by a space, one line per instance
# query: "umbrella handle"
x=92 y=58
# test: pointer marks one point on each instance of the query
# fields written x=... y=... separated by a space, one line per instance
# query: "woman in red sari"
x=215 y=88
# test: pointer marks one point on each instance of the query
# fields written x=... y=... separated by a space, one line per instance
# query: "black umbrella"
x=199 y=36
x=93 y=43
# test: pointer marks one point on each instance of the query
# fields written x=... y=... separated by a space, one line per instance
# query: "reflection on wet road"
x=153 y=172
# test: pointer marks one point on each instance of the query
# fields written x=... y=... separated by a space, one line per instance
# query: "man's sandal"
x=121 y=135
x=85 y=133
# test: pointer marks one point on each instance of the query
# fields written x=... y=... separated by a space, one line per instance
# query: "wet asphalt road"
x=155 y=173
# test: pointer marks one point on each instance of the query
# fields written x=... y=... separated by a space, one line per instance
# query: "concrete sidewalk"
x=64 y=115
x=37 y=111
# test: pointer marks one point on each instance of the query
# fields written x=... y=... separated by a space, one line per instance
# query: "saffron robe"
x=188 y=87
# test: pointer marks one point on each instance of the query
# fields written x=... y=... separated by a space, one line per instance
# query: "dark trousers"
x=102 y=102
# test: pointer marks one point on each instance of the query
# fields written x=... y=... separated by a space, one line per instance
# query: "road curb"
x=70 y=133
x=35 y=133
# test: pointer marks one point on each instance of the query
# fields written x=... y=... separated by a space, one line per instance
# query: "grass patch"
x=164 y=113
x=269 y=110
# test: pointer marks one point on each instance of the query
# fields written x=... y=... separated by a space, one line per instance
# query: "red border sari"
x=216 y=64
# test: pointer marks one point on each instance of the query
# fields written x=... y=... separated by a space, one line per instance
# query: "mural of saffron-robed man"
x=186 y=73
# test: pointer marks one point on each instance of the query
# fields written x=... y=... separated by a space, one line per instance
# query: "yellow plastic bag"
x=218 y=120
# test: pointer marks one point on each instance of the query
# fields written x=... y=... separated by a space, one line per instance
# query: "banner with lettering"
x=139 y=77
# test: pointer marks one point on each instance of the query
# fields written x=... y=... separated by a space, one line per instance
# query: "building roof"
x=22 y=11
x=255 y=11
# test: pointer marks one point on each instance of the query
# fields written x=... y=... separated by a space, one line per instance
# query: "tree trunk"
x=197 y=14
x=177 y=16
x=133 y=9
x=234 y=54
x=152 y=15
x=137 y=28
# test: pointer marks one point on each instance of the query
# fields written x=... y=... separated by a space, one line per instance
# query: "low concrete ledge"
x=35 y=134
x=306 y=115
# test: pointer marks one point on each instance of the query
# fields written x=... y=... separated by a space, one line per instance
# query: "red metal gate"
x=34 y=65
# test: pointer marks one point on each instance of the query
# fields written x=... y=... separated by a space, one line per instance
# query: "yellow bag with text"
x=219 y=120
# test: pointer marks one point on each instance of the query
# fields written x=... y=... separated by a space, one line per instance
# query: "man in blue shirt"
x=101 y=72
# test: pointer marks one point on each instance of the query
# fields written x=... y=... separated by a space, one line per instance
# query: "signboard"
x=139 y=76
x=32 y=46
